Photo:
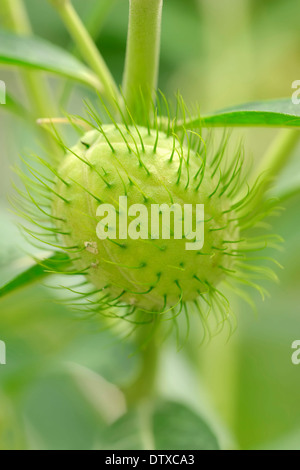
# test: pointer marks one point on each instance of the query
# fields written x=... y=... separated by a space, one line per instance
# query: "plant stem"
x=273 y=162
x=142 y=56
x=143 y=388
x=36 y=88
x=279 y=153
x=87 y=47
x=98 y=16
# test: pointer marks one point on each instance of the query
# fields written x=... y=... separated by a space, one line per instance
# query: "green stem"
x=36 y=87
x=276 y=157
x=15 y=16
x=148 y=343
x=94 y=23
x=98 y=16
x=142 y=56
x=87 y=47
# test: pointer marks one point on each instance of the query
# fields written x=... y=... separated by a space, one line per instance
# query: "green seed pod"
x=149 y=169
x=130 y=263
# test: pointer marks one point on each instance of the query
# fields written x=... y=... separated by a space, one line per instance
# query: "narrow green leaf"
x=33 y=271
x=275 y=113
x=171 y=426
x=36 y=53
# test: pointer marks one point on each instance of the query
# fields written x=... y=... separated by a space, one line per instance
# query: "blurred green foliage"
x=219 y=54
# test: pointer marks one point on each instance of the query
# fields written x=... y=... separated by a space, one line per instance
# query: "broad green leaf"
x=275 y=113
x=32 y=271
x=36 y=53
x=177 y=427
x=58 y=415
x=172 y=426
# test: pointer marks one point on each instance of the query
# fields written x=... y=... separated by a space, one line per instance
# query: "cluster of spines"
x=230 y=183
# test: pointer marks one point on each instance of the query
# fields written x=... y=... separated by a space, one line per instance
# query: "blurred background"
x=218 y=53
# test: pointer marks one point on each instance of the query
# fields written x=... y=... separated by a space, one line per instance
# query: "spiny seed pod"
x=151 y=168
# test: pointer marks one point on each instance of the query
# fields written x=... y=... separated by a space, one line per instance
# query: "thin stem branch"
x=142 y=56
x=87 y=47
x=36 y=86
x=275 y=159
x=143 y=388
x=98 y=16
x=15 y=16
